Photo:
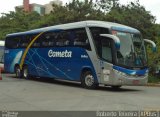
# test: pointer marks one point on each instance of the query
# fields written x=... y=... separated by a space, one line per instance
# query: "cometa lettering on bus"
x=66 y=54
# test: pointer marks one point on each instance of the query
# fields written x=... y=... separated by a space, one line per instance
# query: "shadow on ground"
x=77 y=84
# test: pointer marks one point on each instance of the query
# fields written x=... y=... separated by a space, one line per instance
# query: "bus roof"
x=89 y=23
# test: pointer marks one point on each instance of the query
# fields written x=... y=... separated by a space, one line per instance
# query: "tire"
x=18 y=72
x=88 y=81
x=25 y=72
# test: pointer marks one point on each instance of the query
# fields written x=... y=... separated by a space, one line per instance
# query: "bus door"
x=106 y=59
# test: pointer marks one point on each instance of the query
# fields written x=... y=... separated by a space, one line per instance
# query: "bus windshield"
x=132 y=51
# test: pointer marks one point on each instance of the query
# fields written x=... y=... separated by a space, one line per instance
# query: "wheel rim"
x=89 y=80
x=25 y=73
x=17 y=72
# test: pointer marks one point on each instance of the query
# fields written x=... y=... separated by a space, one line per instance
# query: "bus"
x=89 y=52
x=1 y=55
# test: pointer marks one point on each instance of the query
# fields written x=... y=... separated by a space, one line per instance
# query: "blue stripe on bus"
x=131 y=72
x=40 y=64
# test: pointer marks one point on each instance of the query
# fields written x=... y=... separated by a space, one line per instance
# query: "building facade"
x=41 y=9
x=49 y=7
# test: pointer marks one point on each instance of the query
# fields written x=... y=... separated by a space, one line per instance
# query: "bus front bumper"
x=130 y=80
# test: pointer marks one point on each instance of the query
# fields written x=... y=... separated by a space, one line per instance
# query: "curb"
x=153 y=84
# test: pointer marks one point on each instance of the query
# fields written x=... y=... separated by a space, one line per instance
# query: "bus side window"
x=78 y=41
x=62 y=39
x=96 y=31
x=12 y=42
x=25 y=40
x=49 y=39
x=81 y=39
x=106 y=49
x=36 y=43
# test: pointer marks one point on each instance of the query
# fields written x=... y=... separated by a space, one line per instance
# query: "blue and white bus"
x=90 y=52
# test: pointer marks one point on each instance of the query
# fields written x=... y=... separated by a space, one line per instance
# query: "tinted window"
x=72 y=38
x=63 y=39
x=49 y=39
x=25 y=41
x=37 y=42
x=103 y=45
x=13 y=42
x=80 y=38
x=106 y=49
x=96 y=31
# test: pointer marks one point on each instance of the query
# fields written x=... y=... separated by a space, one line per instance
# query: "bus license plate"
x=135 y=82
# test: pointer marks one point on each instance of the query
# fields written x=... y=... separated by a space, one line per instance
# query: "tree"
x=133 y=15
x=17 y=22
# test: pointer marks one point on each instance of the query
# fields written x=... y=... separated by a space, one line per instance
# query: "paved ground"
x=48 y=95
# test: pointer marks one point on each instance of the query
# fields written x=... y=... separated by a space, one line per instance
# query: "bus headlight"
x=120 y=73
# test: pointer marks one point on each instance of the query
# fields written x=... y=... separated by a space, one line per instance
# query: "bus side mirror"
x=114 y=38
x=154 y=48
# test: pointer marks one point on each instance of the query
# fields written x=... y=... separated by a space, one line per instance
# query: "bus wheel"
x=88 y=81
x=25 y=72
x=18 y=72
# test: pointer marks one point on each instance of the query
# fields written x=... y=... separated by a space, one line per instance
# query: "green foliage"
x=17 y=21
x=133 y=15
x=154 y=79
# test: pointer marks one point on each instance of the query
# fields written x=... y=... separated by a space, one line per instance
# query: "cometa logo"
x=62 y=54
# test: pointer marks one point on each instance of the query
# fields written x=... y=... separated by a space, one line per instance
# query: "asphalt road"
x=49 y=95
